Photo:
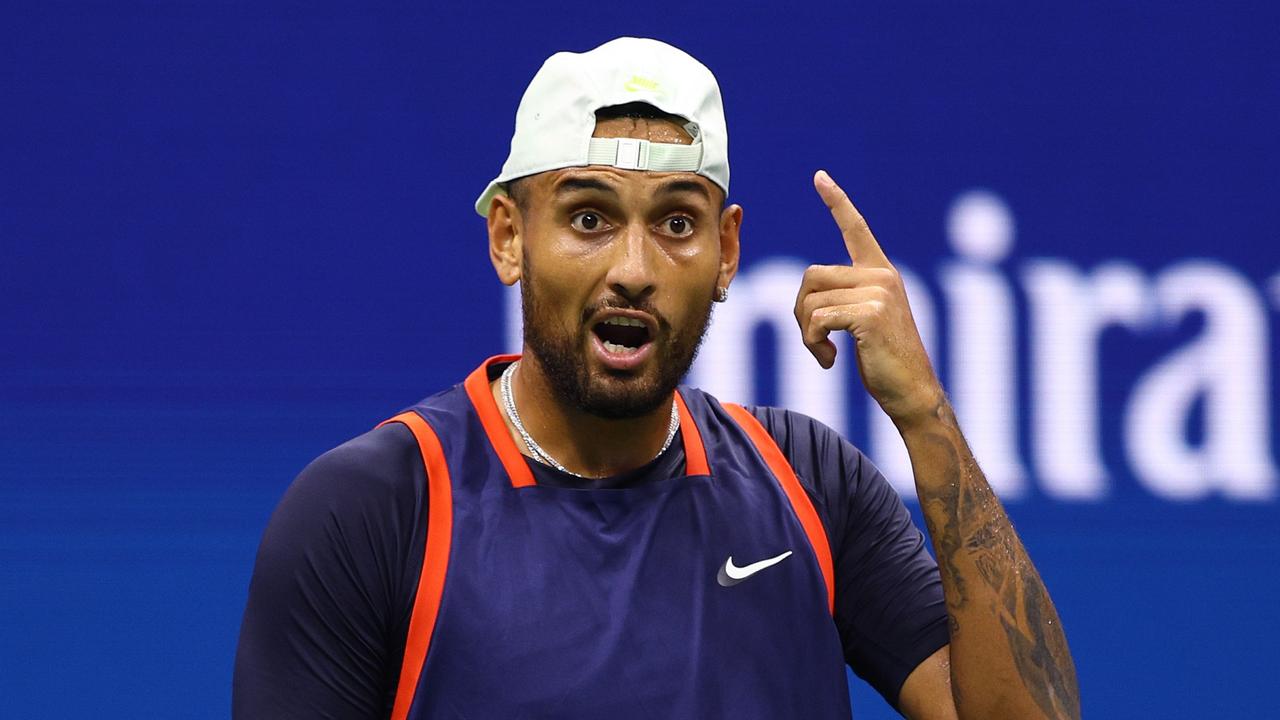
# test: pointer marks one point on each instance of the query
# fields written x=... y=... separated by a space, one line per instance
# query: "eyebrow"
x=673 y=187
x=575 y=183
x=683 y=186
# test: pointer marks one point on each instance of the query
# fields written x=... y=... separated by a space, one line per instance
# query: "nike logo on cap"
x=731 y=574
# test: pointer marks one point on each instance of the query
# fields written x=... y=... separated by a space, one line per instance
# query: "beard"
x=617 y=395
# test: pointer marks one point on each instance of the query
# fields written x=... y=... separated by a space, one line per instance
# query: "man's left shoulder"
x=817 y=453
x=782 y=424
x=791 y=427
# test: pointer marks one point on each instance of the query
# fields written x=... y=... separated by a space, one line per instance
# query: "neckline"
x=495 y=428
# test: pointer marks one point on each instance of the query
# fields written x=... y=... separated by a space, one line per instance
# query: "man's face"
x=618 y=271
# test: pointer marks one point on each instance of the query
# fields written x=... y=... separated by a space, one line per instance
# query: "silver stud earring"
x=722 y=294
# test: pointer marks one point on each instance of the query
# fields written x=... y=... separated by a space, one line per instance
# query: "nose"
x=633 y=272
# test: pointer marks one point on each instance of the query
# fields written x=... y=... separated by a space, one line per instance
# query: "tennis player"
x=571 y=533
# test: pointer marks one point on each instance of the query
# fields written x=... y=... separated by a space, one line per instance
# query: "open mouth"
x=622 y=335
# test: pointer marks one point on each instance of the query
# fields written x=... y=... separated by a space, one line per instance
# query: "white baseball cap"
x=557 y=114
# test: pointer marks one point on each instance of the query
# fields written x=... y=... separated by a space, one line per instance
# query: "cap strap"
x=633 y=154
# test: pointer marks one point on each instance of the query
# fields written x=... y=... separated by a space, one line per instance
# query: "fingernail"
x=824 y=179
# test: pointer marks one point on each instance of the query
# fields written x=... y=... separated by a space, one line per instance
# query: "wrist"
x=927 y=409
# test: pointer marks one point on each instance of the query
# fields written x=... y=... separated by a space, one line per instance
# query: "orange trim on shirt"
x=800 y=501
x=435 y=560
x=695 y=455
x=477 y=386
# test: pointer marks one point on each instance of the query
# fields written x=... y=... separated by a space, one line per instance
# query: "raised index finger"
x=863 y=249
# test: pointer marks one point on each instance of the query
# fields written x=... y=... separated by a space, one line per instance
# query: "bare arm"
x=1008 y=656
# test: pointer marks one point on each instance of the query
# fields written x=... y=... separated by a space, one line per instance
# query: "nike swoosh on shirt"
x=731 y=574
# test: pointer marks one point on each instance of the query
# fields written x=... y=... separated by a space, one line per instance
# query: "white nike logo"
x=731 y=574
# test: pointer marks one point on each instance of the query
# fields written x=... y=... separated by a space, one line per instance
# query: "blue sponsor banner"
x=235 y=234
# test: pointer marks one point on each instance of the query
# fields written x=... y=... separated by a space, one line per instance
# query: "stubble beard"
x=617 y=396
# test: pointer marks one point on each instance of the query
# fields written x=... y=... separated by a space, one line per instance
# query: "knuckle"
x=811 y=334
x=818 y=300
x=817 y=320
x=803 y=305
x=809 y=280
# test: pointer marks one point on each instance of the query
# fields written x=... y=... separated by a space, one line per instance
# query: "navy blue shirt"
x=333 y=588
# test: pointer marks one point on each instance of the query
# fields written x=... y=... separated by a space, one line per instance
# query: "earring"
x=722 y=294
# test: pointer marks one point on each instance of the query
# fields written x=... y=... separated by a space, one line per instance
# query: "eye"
x=586 y=221
x=678 y=225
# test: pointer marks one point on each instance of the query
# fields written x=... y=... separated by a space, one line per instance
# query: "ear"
x=730 y=228
x=506 y=237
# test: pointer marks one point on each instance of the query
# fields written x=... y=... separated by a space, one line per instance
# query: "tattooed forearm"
x=991 y=586
x=1039 y=649
x=944 y=525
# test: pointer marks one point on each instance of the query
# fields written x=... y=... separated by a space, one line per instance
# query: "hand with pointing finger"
x=867 y=299
x=981 y=560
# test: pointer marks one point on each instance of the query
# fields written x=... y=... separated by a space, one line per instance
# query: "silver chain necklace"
x=508 y=399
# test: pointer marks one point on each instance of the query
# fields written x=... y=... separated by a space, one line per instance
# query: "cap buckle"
x=633 y=154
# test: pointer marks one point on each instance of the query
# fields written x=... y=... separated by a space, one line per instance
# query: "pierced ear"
x=506 y=230
x=730 y=230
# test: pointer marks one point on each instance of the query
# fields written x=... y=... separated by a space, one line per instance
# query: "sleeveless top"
x=709 y=595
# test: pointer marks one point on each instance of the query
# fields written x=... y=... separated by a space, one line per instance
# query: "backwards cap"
x=557 y=114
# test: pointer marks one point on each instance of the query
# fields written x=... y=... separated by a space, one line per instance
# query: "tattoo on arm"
x=967 y=522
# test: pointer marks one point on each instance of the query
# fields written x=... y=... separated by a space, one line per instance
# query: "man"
x=568 y=533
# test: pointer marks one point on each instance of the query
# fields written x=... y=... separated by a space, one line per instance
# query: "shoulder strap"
x=435 y=559
x=800 y=502
x=695 y=453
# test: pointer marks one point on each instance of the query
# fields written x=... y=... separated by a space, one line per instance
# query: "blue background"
x=235 y=234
